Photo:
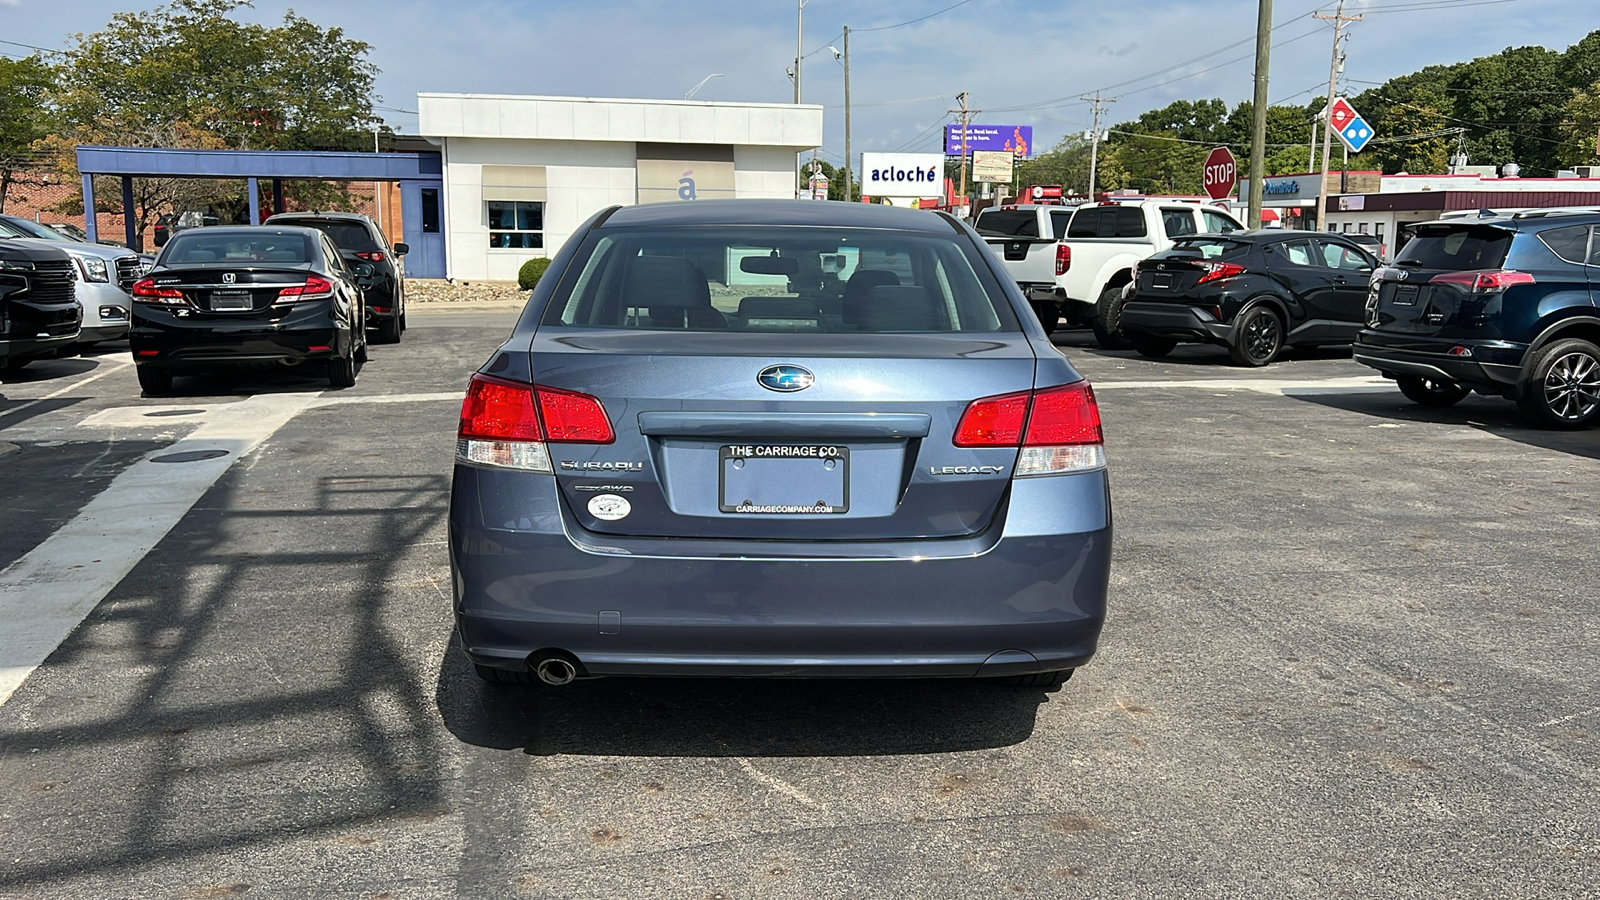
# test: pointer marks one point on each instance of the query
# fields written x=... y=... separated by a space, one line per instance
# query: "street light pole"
x=799 y=37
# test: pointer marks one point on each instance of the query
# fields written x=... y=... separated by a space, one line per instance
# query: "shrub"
x=531 y=272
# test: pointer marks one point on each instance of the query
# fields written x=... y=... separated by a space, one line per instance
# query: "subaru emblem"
x=785 y=378
x=229 y=278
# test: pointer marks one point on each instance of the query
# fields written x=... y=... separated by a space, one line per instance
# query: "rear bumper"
x=1495 y=366
x=1177 y=321
x=1028 y=596
x=160 y=338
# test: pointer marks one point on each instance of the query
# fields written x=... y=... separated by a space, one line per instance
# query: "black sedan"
x=1253 y=292
x=249 y=295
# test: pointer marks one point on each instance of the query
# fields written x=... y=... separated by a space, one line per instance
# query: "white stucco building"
x=521 y=173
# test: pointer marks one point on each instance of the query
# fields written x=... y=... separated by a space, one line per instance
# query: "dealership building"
x=522 y=173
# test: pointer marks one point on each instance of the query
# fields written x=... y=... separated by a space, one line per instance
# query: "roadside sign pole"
x=1339 y=18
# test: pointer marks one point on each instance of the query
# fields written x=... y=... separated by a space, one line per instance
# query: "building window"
x=1362 y=228
x=1378 y=230
x=516 y=223
x=430 y=210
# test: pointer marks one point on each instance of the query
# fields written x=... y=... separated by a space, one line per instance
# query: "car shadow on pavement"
x=1487 y=414
x=1198 y=355
x=250 y=681
x=735 y=717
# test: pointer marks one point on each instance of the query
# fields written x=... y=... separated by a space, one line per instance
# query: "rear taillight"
x=1063 y=259
x=1057 y=428
x=1217 y=271
x=372 y=256
x=315 y=288
x=507 y=423
x=1485 y=281
x=145 y=291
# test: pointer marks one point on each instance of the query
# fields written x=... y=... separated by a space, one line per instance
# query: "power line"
x=915 y=21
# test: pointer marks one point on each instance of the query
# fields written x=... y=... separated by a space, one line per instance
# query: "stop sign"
x=1220 y=173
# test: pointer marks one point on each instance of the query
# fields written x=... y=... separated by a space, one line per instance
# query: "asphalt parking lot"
x=1353 y=652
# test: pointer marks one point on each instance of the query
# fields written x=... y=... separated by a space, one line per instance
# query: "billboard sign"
x=1014 y=139
x=992 y=165
x=902 y=174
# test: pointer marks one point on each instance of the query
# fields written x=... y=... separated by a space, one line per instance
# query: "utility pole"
x=1339 y=18
x=1094 y=138
x=847 y=173
x=966 y=116
x=1258 y=109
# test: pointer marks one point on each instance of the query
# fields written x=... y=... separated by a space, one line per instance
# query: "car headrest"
x=661 y=282
x=859 y=288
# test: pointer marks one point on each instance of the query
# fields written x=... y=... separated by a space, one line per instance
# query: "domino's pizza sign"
x=1352 y=130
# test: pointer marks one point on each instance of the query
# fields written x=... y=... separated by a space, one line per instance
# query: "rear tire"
x=1153 y=347
x=1563 y=388
x=1428 y=392
x=342 y=371
x=389 y=330
x=1108 y=318
x=1041 y=679
x=154 y=382
x=1257 y=337
x=502 y=676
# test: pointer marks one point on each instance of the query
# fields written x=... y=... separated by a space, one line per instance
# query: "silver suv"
x=104 y=276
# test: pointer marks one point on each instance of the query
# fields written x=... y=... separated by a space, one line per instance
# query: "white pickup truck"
x=1025 y=236
x=1082 y=258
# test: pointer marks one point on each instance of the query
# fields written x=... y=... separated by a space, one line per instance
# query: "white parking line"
x=45 y=594
x=99 y=372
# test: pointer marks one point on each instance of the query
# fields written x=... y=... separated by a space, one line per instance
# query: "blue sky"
x=1022 y=62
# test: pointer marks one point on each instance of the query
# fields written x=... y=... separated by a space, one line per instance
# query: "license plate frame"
x=1406 y=295
x=753 y=470
x=231 y=301
x=1161 y=281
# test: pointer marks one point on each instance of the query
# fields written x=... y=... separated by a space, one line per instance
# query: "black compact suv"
x=1504 y=305
x=1252 y=292
x=360 y=241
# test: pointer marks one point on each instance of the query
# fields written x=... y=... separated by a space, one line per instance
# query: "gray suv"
x=104 y=276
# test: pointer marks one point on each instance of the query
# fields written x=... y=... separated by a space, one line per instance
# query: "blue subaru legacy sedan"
x=776 y=438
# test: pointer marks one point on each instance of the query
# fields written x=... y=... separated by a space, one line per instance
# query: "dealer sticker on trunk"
x=609 y=507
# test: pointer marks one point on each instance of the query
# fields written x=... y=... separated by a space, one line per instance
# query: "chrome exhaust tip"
x=555 y=671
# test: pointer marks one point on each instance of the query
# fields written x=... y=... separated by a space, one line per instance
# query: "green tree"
x=1580 y=129
x=297 y=86
x=25 y=115
x=187 y=74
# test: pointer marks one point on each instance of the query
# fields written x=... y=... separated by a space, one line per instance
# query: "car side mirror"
x=401 y=248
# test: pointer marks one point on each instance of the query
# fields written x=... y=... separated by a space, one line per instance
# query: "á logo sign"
x=686 y=186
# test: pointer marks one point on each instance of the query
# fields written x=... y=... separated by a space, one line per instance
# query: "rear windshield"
x=203 y=246
x=1107 y=222
x=1213 y=248
x=1009 y=222
x=776 y=279
x=351 y=236
x=1456 y=247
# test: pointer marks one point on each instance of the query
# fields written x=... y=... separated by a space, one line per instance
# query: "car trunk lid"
x=849 y=439
x=1434 y=283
